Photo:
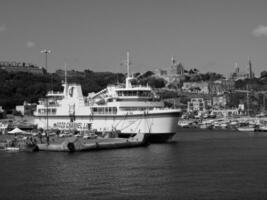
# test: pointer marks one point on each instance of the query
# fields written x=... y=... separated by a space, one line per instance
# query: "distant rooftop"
x=21 y=67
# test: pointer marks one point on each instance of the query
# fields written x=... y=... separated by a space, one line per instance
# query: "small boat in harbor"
x=262 y=129
x=246 y=129
x=74 y=144
x=12 y=149
x=224 y=125
x=16 y=145
x=203 y=126
x=187 y=123
x=262 y=126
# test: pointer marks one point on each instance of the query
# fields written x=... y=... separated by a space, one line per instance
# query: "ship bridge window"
x=104 y=110
x=47 y=111
x=53 y=111
x=41 y=111
x=100 y=110
x=136 y=108
x=144 y=93
x=119 y=93
x=130 y=93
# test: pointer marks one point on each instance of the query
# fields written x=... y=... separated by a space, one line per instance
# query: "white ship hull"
x=262 y=129
x=246 y=129
x=160 y=125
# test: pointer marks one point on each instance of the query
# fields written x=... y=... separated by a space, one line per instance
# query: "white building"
x=226 y=112
x=219 y=101
x=196 y=104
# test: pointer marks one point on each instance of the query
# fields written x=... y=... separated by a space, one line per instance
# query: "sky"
x=210 y=35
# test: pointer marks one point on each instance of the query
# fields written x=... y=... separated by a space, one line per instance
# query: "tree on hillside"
x=263 y=74
x=19 y=87
x=154 y=82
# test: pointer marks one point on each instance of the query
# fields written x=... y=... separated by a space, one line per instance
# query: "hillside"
x=19 y=87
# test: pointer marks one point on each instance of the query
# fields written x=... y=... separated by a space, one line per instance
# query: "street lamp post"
x=46 y=52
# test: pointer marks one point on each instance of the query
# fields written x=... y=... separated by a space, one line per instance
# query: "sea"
x=196 y=164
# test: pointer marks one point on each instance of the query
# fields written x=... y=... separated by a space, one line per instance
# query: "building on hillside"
x=175 y=73
x=219 y=101
x=21 y=67
x=237 y=74
x=216 y=88
x=26 y=108
x=196 y=87
x=196 y=104
x=226 y=112
x=208 y=103
x=240 y=75
x=161 y=72
x=219 y=87
x=227 y=84
x=176 y=68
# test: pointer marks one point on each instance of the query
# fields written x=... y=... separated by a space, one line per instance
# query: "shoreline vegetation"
x=18 y=87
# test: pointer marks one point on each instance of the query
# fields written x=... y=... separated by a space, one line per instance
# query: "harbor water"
x=197 y=164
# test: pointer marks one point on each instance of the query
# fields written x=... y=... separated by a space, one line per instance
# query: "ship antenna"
x=66 y=80
x=65 y=73
x=128 y=64
x=128 y=79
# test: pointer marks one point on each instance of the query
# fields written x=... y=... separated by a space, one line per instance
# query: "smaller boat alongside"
x=18 y=144
x=74 y=143
x=262 y=128
x=68 y=141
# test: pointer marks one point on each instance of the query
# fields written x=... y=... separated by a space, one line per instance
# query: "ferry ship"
x=130 y=109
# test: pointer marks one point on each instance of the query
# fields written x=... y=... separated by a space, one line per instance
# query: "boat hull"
x=160 y=126
x=261 y=129
x=246 y=129
x=78 y=144
x=153 y=138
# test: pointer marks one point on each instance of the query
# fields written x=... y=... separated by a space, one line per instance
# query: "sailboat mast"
x=66 y=80
x=65 y=73
x=128 y=64
x=248 y=99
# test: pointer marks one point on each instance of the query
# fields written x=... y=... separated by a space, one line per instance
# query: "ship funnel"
x=128 y=63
